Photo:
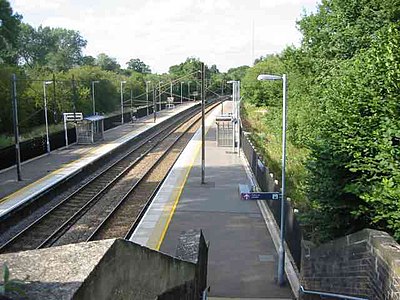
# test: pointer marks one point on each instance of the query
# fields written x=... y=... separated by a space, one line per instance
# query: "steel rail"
x=117 y=207
x=10 y=242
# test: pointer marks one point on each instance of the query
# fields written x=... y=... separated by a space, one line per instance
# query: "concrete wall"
x=129 y=271
x=192 y=248
x=108 y=269
x=364 y=264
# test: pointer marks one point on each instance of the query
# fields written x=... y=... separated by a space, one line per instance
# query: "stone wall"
x=364 y=264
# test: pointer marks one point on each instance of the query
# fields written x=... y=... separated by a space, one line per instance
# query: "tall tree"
x=107 y=63
x=138 y=66
x=55 y=48
x=9 y=32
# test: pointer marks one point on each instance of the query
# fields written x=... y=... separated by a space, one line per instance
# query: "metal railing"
x=293 y=233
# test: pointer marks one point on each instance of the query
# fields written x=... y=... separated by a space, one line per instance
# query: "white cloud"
x=166 y=32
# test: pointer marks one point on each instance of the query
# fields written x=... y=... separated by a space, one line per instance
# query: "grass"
x=266 y=133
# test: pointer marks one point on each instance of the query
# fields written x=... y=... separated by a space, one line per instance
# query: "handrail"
x=325 y=294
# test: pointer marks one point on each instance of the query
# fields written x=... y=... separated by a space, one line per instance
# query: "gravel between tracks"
x=84 y=227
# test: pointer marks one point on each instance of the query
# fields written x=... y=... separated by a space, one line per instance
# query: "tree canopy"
x=138 y=66
x=9 y=32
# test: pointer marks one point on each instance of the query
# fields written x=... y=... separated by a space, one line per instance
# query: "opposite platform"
x=242 y=256
x=48 y=170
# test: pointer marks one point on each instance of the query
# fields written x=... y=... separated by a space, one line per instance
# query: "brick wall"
x=364 y=264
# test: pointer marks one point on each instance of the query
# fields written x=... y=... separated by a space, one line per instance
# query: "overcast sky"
x=165 y=32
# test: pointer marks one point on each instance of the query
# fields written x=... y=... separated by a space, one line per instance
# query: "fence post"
x=16 y=126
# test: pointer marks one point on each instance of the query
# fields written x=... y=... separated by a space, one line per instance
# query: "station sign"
x=260 y=196
x=246 y=193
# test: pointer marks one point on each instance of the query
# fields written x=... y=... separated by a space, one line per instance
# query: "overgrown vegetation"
x=343 y=117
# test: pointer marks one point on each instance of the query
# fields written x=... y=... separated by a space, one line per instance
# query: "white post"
x=159 y=96
x=238 y=117
x=147 y=97
x=281 y=269
x=122 y=103
x=45 y=117
x=66 y=131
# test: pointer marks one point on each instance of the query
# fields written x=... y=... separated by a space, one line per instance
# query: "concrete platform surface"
x=47 y=170
x=242 y=256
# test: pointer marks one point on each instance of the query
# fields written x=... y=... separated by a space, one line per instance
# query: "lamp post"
x=189 y=90
x=45 y=114
x=147 y=96
x=281 y=264
x=203 y=126
x=122 y=103
x=159 y=95
x=181 y=92
x=235 y=117
x=94 y=106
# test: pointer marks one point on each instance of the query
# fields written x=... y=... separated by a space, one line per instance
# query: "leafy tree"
x=262 y=92
x=236 y=73
x=57 y=49
x=9 y=31
x=357 y=153
x=107 y=63
x=138 y=66
x=88 y=61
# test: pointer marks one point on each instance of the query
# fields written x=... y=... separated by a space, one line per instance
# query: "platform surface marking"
x=154 y=224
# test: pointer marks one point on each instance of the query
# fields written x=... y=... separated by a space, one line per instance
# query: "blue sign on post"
x=260 y=196
x=246 y=194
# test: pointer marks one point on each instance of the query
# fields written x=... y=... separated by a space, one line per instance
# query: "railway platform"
x=44 y=172
x=242 y=259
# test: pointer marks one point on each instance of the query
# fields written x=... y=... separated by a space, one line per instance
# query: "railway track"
x=77 y=217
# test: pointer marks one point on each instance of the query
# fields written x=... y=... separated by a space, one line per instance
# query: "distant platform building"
x=90 y=130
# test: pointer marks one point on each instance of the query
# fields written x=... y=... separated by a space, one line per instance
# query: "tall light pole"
x=122 y=103
x=181 y=92
x=189 y=90
x=45 y=114
x=234 y=112
x=170 y=89
x=281 y=264
x=203 y=126
x=147 y=96
x=94 y=105
x=159 y=95
x=154 y=104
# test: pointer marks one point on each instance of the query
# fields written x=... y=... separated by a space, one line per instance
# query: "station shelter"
x=90 y=130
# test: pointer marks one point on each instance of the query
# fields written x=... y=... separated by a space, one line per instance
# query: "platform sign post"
x=70 y=117
x=203 y=127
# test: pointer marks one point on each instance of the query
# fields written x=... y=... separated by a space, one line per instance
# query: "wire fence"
x=37 y=146
x=293 y=232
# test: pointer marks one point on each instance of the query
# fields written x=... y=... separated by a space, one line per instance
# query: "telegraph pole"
x=16 y=126
x=203 y=127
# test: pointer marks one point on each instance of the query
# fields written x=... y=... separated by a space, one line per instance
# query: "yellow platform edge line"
x=176 y=201
x=63 y=167
x=164 y=232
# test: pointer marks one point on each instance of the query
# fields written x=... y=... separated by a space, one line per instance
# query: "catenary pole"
x=16 y=126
